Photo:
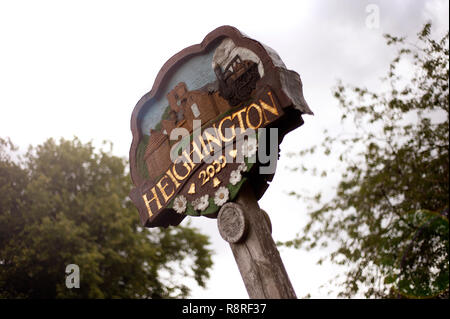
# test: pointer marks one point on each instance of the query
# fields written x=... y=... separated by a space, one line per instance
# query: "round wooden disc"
x=231 y=223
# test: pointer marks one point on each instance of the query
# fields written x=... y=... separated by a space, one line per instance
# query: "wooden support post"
x=247 y=229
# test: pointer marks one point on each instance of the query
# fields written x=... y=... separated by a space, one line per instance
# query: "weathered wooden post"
x=201 y=146
x=247 y=228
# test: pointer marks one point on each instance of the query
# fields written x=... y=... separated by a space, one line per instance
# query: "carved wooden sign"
x=198 y=135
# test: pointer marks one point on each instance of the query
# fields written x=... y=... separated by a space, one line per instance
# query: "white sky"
x=77 y=68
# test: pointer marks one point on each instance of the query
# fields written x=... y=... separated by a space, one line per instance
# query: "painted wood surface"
x=256 y=254
x=228 y=81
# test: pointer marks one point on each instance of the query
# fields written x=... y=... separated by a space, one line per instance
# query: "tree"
x=388 y=220
x=66 y=203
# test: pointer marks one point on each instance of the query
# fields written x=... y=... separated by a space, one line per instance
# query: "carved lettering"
x=154 y=198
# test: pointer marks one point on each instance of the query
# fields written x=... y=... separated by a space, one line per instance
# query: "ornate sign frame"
x=252 y=90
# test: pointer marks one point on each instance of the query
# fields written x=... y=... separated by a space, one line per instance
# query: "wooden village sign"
x=199 y=145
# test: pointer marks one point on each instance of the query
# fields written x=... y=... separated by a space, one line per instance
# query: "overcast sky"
x=78 y=68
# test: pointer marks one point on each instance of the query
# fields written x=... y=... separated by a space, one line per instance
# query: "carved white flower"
x=179 y=204
x=235 y=177
x=201 y=203
x=249 y=147
x=221 y=196
x=242 y=167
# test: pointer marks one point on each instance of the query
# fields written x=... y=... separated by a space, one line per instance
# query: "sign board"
x=198 y=135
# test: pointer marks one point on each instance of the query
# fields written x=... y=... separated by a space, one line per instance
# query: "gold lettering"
x=250 y=125
x=220 y=129
x=188 y=158
x=202 y=142
x=163 y=189
x=197 y=150
x=174 y=180
x=211 y=138
x=272 y=109
x=239 y=116
x=180 y=178
x=147 y=202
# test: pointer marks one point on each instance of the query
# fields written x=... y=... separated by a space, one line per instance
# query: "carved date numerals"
x=211 y=170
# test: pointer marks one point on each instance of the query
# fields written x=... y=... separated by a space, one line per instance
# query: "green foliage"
x=66 y=203
x=389 y=217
